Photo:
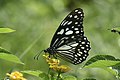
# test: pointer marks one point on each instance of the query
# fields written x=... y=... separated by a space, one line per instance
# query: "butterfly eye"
x=69 y=41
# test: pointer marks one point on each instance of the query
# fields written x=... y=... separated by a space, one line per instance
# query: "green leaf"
x=117 y=66
x=105 y=62
x=102 y=60
x=44 y=76
x=102 y=63
x=34 y=73
x=117 y=69
x=6 y=55
x=2 y=50
x=6 y=30
x=10 y=57
x=89 y=79
x=70 y=78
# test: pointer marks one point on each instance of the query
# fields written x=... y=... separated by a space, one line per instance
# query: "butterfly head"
x=45 y=51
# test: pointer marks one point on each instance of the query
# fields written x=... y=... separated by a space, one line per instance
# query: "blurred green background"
x=36 y=21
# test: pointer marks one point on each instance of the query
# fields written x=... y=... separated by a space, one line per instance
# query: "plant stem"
x=58 y=76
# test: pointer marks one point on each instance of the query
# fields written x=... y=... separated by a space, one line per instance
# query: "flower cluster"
x=61 y=68
x=16 y=76
x=55 y=65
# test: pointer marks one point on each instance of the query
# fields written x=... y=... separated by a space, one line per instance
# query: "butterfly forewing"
x=69 y=41
x=70 y=28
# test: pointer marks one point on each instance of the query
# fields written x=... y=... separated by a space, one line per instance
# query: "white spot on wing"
x=80 y=58
x=84 y=38
x=75 y=58
x=65 y=37
x=62 y=22
x=80 y=44
x=81 y=15
x=81 y=22
x=73 y=45
x=79 y=12
x=76 y=22
x=82 y=47
x=67 y=29
x=69 y=32
x=75 y=55
x=78 y=49
x=75 y=16
x=76 y=10
x=65 y=23
x=70 y=16
x=77 y=32
x=69 y=22
x=78 y=54
x=72 y=37
x=83 y=42
x=86 y=45
x=76 y=28
x=81 y=30
x=85 y=51
x=83 y=57
x=72 y=26
x=61 y=32
x=64 y=47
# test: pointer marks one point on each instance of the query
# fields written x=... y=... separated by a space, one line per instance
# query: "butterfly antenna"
x=38 y=54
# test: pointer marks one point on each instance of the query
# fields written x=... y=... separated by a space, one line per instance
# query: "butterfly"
x=69 y=41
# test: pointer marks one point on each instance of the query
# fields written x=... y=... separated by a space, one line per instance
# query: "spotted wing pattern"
x=69 y=40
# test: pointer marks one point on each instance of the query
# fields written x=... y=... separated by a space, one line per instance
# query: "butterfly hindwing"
x=75 y=52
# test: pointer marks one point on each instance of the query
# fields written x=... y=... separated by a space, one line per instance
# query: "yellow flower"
x=61 y=68
x=55 y=64
x=16 y=76
x=46 y=55
x=51 y=61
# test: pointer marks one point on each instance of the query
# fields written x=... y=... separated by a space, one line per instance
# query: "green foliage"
x=89 y=79
x=69 y=78
x=106 y=62
x=10 y=57
x=6 y=30
x=34 y=73
x=102 y=61
x=2 y=50
x=35 y=22
x=5 y=55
